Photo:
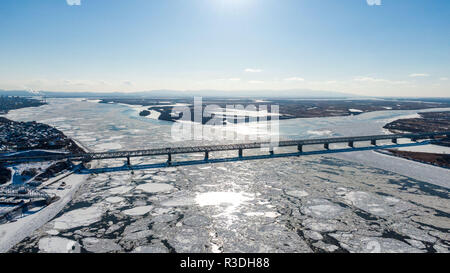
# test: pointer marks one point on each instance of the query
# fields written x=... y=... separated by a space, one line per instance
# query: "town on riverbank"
x=22 y=186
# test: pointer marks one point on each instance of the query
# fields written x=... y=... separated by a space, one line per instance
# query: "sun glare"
x=234 y=4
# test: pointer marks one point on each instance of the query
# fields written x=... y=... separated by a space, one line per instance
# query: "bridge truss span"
x=225 y=147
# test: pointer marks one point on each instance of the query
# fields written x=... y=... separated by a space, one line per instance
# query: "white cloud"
x=297 y=79
x=73 y=2
x=76 y=82
x=253 y=70
x=416 y=75
x=234 y=79
x=373 y=2
x=129 y=83
x=444 y=79
x=369 y=79
x=378 y=80
x=255 y=82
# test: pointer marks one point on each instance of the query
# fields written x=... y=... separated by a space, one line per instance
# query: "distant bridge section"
x=350 y=141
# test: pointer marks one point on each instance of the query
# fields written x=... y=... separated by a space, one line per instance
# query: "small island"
x=144 y=113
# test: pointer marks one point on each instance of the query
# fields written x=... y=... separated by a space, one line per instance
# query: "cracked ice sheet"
x=240 y=208
x=78 y=218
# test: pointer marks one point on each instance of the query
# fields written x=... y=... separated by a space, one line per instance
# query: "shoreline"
x=424 y=121
x=13 y=233
x=426 y=173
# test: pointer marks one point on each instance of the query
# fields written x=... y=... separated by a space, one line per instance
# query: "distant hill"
x=180 y=94
x=19 y=93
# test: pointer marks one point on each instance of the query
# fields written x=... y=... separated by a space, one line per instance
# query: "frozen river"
x=357 y=202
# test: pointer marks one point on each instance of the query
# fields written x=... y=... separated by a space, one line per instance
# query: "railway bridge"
x=416 y=138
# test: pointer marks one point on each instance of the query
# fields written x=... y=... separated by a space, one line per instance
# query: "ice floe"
x=158 y=248
x=155 y=187
x=58 y=245
x=115 y=199
x=138 y=210
x=78 y=218
x=297 y=193
x=360 y=244
x=181 y=201
x=374 y=204
x=120 y=190
x=97 y=245
x=319 y=208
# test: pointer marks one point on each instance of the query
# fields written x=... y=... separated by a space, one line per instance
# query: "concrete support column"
x=169 y=158
x=394 y=140
x=351 y=144
x=326 y=146
x=206 y=156
x=128 y=161
x=271 y=152
x=300 y=148
x=373 y=142
x=240 y=153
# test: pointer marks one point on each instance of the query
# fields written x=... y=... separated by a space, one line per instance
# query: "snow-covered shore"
x=416 y=170
x=14 y=232
x=434 y=149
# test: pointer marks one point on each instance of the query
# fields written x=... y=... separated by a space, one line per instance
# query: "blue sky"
x=397 y=48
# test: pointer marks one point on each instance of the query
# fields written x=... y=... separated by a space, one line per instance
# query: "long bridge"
x=299 y=144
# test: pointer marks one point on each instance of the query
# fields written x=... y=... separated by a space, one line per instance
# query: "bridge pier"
x=394 y=140
x=169 y=159
x=271 y=152
x=240 y=153
x=128 y=161
x=326 y=146
x=206 y=156
x=300 y=148
x=351 y=144
x=373 y=142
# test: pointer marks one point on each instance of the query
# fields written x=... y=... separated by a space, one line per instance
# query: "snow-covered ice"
x=138 y=211
x=58 y=245
x=79 y=218
x=155 y=187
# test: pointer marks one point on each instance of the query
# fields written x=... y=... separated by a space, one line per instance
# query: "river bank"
x=424 y=122
x=55 y=180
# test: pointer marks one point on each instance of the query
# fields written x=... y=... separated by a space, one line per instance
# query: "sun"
x=234 y=4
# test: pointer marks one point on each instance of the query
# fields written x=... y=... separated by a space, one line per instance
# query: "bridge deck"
x=214 y=148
